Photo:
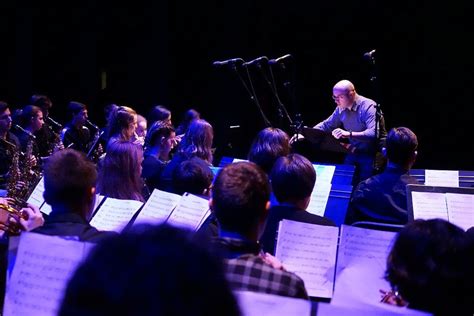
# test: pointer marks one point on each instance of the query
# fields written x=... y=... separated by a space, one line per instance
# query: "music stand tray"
x=323 y=140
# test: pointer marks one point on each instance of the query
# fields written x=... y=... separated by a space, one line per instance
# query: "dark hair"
x=3 y=106
x=120 y=121
x=269 y=144
x=240 y=193
x=401 y=144
x=43 y=101
x=430 y=265
x=68 y=178
x=192 y=176
x=158 y=113
x=156 y=131
x=198 y=141
x=150 y=270
x=292 y=178
x=119 y=172
x=29 y=112
x=189 y=116
x=75 y=107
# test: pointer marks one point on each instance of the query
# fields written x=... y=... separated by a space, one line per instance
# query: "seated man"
x=69 y=187
x=240 y=202
x=382 y=198
x=292 y=178
x=193 y=176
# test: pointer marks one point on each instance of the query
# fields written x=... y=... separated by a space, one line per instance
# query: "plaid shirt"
x=248 y=271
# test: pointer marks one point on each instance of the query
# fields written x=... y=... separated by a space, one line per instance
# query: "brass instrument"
x=57 y=142
x=10 y=218
x=15 y=184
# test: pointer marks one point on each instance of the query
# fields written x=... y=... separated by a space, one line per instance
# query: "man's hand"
x=295 y=138
x=340 y=133
x=35 y=218
x=272 y=261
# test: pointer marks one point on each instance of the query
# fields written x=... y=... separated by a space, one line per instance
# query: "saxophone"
x=29 y=174
x=15 y=183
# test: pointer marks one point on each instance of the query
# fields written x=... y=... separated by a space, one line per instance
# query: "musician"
x=122 y=125
x=30 y=121
x=7 y=139
x=76 y=135
x=48 y=137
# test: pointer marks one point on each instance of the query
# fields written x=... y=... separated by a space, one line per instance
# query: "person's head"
x=292 y=179
x=189 y=116
x=123 y=123
x=240 y=198
x=150 y=270
x=159 y=113
x=119 y=172
x=42 y=101
x=141 y=126
x=193 y=176
x=69 y=182
x=344 y=94
x=32 y=118
x=400 y=147
x=430 y=265
x=108 y=110
x=269 y=144
x=198 y=140
x=5 y=117
x=77 y=112
x=161 y=135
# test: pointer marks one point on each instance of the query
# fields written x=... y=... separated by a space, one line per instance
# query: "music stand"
x=323 y=140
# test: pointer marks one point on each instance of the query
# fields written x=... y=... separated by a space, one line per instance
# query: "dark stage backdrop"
x=161 y=52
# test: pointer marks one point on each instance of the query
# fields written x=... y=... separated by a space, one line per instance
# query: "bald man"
x=354 y=119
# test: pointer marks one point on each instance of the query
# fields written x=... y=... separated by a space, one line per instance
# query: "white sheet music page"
x=324 y=174
x=36 y=197
x=43 y=266
x=442 y=178
x=115 y=214
x=428 y=205
x=259 y=304
x=309 y=251
x=461 y=209
x=319 y=198
x=238 y=160
x=158 y=207
x=190 y=212
x=361 y=263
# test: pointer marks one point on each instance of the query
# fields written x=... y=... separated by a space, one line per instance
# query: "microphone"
x=255 y=61
x=18 y=127
x=228 y=62
x=280 y=59
x=369 y=55
x=53 y=122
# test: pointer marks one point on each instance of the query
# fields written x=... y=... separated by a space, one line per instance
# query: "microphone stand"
x=379 y=120
x=252 y=94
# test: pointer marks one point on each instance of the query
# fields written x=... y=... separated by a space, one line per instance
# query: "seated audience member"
x=75 y=134
x=150 y=270
x=159 y=142
x=189 y=116
x=120 y=170
x=196 y=143
x=292 y=179
x=269 y=145
x=159 y=113
x=122 y=125
x=69 y=187
x=382 y=198
x=240 y=202
x=193 y=176
x=430 y=267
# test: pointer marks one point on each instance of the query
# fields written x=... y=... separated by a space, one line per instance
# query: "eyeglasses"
x=338 y=97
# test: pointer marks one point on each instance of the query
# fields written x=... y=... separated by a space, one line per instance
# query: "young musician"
x=75 y=134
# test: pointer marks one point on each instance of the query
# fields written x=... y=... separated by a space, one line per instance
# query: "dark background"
x=161 y=52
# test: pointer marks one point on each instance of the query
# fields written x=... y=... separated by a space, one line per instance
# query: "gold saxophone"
x=10 y=218
x=16 y=189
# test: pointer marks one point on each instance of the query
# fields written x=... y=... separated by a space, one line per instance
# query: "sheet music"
x=428 y=205
x=324 y=173
x=259 y=304
x=36 y=197
x=158 y=207
x=238 y=160
x=190 y=212
x=442 y=178
x=319 y=198
x=461 y=209
x=361 y=263
x=309 y=251
x=43 y=266
x=115 y=214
